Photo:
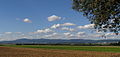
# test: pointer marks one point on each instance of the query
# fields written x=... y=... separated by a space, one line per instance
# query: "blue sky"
x=53 y=19
x=37 y=11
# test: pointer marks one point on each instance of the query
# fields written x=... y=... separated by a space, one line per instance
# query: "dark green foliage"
x=105 y=14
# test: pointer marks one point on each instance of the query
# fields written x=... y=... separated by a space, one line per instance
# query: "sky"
x=49 y=19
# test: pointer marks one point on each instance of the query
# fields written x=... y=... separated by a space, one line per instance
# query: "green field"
x=80 y=48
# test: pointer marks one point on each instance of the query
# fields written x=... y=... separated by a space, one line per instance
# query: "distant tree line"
x=77 y=44
x=115 y=44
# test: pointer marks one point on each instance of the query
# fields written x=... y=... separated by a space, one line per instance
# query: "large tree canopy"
x=105 y=14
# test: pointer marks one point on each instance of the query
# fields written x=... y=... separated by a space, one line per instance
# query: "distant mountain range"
x=56 y=41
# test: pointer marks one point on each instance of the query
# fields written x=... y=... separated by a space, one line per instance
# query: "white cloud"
x=69 y=35
x=44 y=31
x=53 y=18
x=56 y=26
x=88 y=26
x=81 y=33
x=68 y=29
x=55 y=35
x=108 y=34
x=8 y=32
x=68 y=24
x=24 y=37
x=26 y=20
x=51 y=35
x=59 y=25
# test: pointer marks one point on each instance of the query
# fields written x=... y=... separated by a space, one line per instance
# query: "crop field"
x=80 y=48
x=58 y=51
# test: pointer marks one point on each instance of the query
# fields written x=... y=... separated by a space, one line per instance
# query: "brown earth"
x=34 y=52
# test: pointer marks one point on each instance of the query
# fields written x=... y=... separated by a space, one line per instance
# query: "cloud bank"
x=59 y=31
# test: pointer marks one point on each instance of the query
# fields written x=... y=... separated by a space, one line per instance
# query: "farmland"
x=80 y=48
x=58 y=51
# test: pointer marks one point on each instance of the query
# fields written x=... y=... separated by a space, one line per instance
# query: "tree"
x=105 y=14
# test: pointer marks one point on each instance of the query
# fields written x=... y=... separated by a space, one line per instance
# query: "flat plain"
x=53 y=51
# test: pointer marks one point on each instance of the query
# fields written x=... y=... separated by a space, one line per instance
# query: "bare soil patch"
x=34 y=52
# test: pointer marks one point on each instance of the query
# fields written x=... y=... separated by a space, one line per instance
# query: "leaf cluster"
x=105 y=14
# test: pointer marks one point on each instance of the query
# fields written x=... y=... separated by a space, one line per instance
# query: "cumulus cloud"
x=108 y=34
x=88 y=26
x=56 y=26
x=56 y=35
x=8 y=32
x=53 y=18
x=59 y=25
x=68 y=24
x=26 y=20
x=44 y=31
x=51 y=35
x=69 y=35
x=81 y=33
x=68 y=29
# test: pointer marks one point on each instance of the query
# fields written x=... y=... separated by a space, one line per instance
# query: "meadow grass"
x=80 y=48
